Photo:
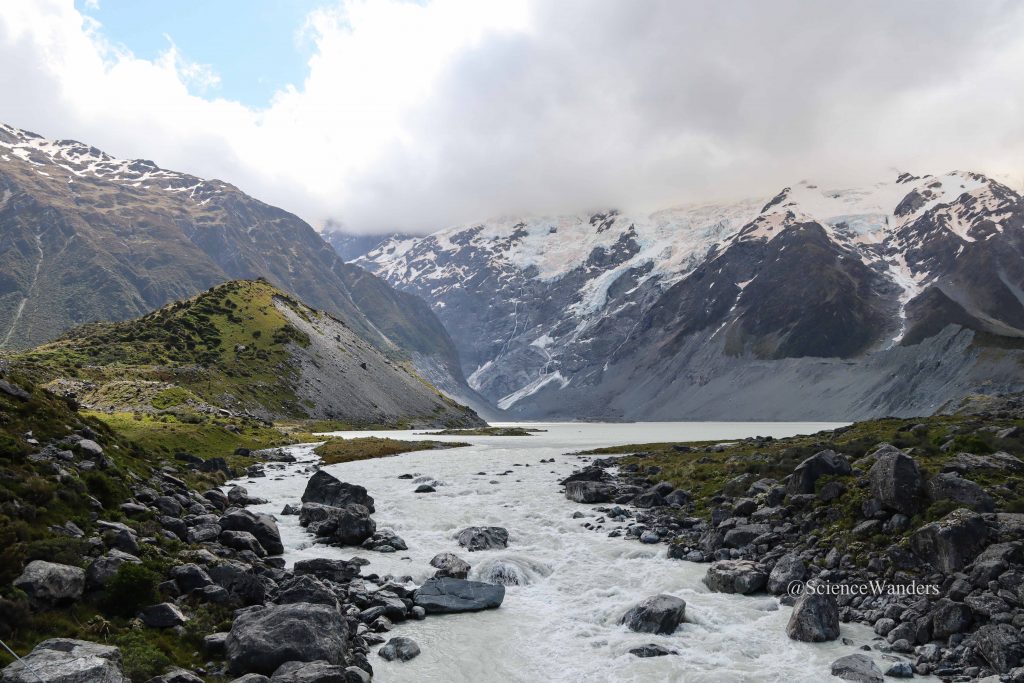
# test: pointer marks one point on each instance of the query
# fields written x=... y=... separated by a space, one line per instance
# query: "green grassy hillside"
x=225 y=346
x=221 y=363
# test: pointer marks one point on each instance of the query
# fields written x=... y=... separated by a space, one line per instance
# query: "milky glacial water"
x=563 y=624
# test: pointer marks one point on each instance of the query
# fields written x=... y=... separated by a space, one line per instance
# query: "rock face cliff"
x=897 y=298
x=86 y=237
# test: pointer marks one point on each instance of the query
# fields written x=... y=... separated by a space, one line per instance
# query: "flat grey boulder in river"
x=447 y=595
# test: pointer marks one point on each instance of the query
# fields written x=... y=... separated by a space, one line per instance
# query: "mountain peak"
x=70 y=161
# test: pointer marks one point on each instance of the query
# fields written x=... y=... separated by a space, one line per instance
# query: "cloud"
x=414 y=116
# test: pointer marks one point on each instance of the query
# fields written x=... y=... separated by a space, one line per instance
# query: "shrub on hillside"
x=133 y=587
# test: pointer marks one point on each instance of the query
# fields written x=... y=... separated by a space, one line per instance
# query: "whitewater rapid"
x=563 y=624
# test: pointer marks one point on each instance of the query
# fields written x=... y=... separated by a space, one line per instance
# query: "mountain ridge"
x=89 y=237
x=551 y=312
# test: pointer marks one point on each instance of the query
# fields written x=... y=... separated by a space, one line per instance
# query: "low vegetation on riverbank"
x=337 y=451
x=488 y=431
x=706 y=468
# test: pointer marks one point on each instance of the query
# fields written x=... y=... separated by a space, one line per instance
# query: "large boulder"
x=1000 y=645
x=735 y=576
x=656 y=614
x=62 y=660
x=859 y=668
x=103 y=568
x=350 y=525
x=239 y=495
x=589 y=491
x=163 y=615
x=48 y=584
x=896 y=481
x=813 y=468
x=176 y=675
x=306 y=588
x=952 y=487
x=790 y=568
x=401 y=648
x=744 y=534
x=448 y=595
x=950 y=617
x=262 y=526
x=953 y=542
x=329 y=490
x=589 y=473
x=241 y=540
x=483 y=538
x=189 y=577
x=241 y=581
x=339 y=571
x=310 y=672
x=815 y=619
x=262 y=639
x=450 y=564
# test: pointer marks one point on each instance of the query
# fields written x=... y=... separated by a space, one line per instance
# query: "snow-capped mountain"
x=893 y=298
x=88 y=237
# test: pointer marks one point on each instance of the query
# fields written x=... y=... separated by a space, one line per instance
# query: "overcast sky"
x=391 y=115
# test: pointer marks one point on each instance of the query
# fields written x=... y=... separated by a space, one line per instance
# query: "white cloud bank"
x=415 y=116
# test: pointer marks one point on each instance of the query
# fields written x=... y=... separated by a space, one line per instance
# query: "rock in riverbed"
x=329 y=490
x=651 y=650
x=815 y=619
x=657 y=614
x=350 y=525
x=448 y=595
x=483 y=538
x=450 y=564
x=401 y=648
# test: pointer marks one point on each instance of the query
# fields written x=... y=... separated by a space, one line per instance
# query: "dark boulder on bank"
x=63 y=660
x=735 y=576
x=813 y=468
x=953 y=542
x=263 y=638
x=262 y=526
x=48 y=584
x=857 y=667
x=589 y=491
x=896 y=481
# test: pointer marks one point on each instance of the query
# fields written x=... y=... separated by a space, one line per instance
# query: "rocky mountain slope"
x=896 y=298
x=243 y=348
x=87 y=237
